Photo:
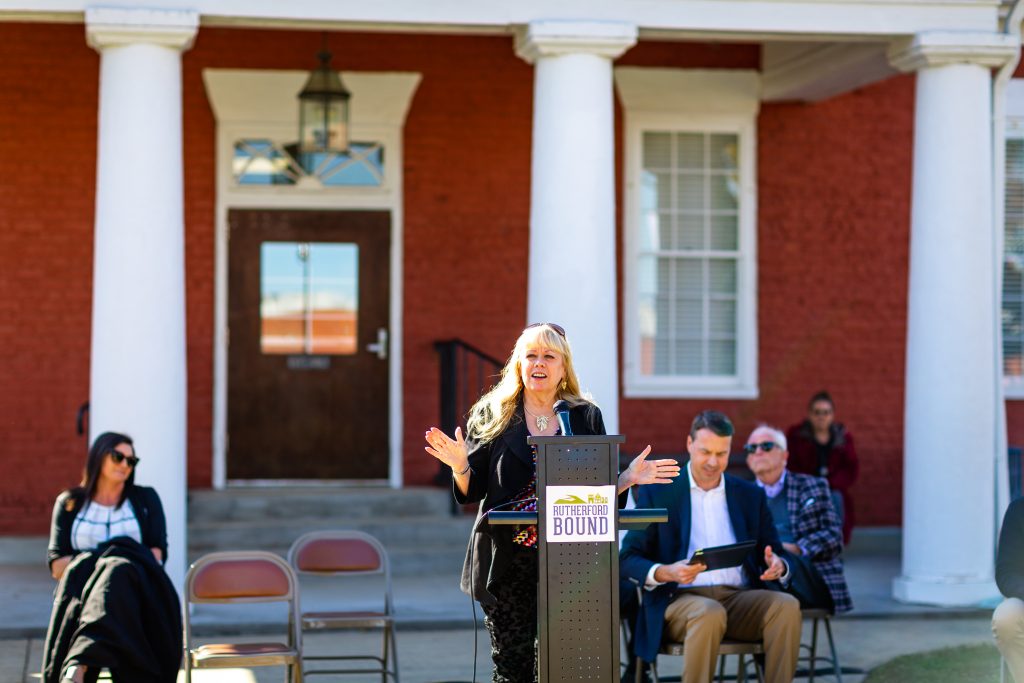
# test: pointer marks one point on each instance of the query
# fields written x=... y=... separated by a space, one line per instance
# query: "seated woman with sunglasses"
x=114 y=603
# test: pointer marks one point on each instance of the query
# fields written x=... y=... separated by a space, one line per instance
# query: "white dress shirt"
x=709 y=526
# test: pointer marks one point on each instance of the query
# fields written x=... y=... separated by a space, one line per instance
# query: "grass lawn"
x=964 y=664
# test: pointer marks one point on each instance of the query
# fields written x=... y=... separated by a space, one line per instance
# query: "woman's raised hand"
x=451 y=452
x=644 y=471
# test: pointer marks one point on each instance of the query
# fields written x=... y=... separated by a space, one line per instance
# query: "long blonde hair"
x=492 y=413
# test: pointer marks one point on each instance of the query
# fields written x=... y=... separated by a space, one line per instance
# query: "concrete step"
x=240 y=504
x=440 y=561
x=281 y=532
x=415 y=525
x=421 y=545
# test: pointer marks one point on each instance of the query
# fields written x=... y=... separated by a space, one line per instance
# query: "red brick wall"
x=48 y=117
x=1015 y=423
x=466 y=202
x=833 y=237
x=833 y=217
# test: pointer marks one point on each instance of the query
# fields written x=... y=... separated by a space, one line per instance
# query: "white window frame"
x=741 y=122
x=1013 y=385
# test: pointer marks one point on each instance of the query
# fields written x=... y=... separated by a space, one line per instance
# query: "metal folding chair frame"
x=388 y=660
x=728 y=646
x=244 y=654
x=812 y=657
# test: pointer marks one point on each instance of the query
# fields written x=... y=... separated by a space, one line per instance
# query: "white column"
x=950 y=394
x=572 y=276
x=137 y=380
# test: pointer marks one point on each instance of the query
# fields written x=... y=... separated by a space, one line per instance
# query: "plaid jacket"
x=817 y=530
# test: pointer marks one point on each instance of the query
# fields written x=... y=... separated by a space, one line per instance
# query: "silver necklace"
x=541 y=420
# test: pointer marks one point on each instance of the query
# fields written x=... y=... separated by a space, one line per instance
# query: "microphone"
x=561 y=409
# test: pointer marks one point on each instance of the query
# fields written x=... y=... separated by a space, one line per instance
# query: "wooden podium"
x=578 y=600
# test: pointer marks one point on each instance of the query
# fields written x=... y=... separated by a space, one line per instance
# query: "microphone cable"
x=472 y=574
x=472 y=604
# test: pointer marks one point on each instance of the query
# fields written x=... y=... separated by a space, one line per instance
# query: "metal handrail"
x=466 y=372
x=83 y=411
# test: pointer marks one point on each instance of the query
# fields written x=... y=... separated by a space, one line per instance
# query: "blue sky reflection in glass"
x=309 y=297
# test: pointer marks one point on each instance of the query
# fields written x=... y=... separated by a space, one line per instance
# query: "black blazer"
x=145 y=502
x=1010 y=552
x=667 y=543
x=501 y=468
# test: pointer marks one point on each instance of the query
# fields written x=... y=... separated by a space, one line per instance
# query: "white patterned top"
x=95 y=524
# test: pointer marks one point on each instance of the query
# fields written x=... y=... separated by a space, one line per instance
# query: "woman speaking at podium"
x=495 y=465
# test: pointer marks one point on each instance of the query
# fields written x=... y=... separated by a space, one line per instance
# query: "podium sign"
x=578 y=600
x=577 y=514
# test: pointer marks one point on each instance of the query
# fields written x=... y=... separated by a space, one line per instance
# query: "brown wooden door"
x=307 y=344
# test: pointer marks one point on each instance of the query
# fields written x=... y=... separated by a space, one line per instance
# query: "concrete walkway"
x=436 y=636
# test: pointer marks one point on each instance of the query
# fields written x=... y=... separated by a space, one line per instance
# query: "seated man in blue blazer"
x=683 y=602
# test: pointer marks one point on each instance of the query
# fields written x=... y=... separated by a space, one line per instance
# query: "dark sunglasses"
x=765 y=446
x=821 y=411
x=557 y=328
x=118 y=457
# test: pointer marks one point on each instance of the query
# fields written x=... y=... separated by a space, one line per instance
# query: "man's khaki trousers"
x=1008 y=629
x=700 y=617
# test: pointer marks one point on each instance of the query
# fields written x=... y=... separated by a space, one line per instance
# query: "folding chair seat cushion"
x=332 y=555
x=242 y=578
x=243 y=654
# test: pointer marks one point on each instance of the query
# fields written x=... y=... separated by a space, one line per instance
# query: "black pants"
x=512 y=622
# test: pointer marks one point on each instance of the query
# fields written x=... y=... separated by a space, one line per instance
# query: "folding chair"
x=741 y=648
x=239 y=577
x=339 y=554
x=812 y=658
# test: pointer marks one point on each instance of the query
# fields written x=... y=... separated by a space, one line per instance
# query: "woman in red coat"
x=823 y=447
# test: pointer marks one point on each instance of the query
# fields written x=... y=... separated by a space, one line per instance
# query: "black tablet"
x=723 y=556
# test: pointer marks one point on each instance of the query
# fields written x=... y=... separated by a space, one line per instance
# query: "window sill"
x=1013 y=390
x=690 y=389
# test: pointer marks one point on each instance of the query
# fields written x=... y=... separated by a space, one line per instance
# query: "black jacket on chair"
x=116 y=608
x=502 y=468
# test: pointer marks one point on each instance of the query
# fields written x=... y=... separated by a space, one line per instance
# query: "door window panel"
x=261 y=161
x=309 y=298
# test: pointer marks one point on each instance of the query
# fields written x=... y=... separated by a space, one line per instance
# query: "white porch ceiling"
x=811 y=72
x=679 y=19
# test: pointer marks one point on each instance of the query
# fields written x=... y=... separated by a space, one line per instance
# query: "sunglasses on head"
x=765 y=446
x=118 y=457
x=557 y=328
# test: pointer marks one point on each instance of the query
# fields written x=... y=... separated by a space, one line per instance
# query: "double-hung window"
x=1013 y=245
x=690 y=304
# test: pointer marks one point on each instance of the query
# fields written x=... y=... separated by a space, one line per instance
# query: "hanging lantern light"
x=323 y=110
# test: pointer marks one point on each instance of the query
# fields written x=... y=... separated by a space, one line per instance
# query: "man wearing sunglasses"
x=806 y=520
x=687 y=603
